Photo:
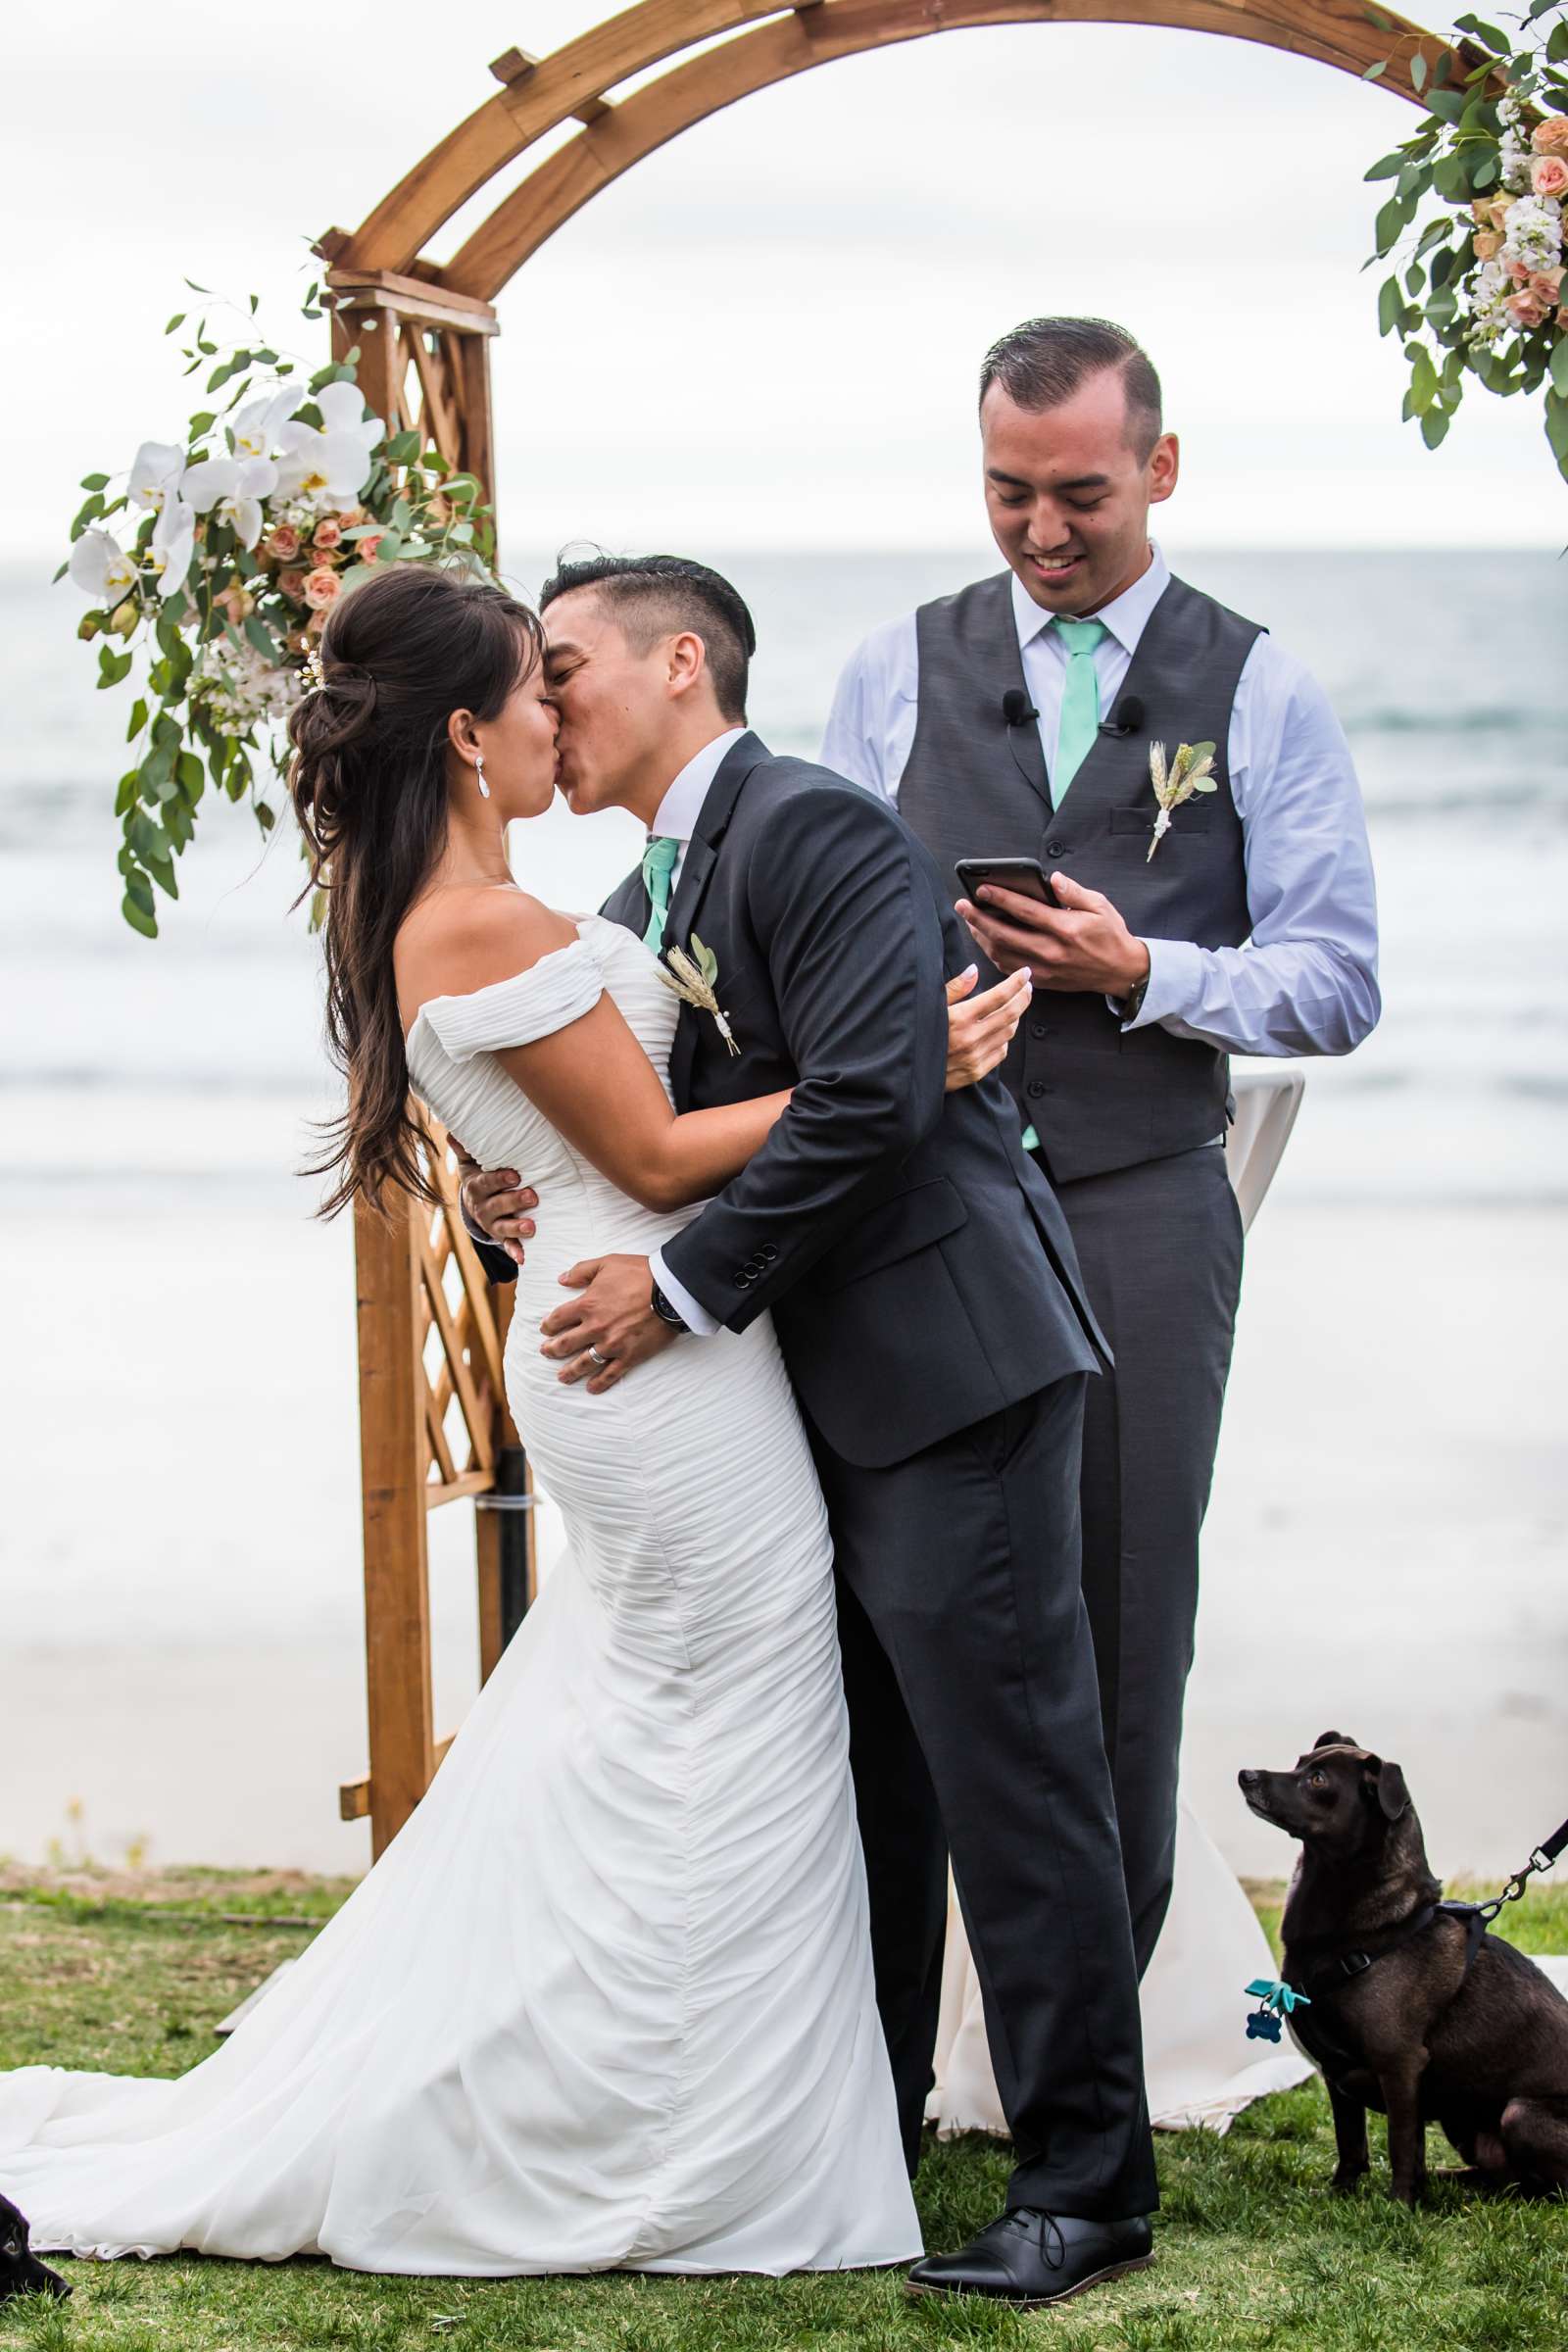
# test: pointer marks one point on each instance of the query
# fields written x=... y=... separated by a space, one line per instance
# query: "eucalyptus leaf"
x=140 y=918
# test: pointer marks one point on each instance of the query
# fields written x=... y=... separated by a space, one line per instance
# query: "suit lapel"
x=695 y=871
x=629 y=905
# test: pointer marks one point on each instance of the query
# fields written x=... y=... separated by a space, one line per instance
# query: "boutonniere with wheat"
x=1188 y=772
x=693 y=975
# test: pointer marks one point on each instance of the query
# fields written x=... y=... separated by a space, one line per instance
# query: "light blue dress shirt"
x=1306 y=980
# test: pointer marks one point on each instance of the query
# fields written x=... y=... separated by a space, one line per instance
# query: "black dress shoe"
x=1031 y=2259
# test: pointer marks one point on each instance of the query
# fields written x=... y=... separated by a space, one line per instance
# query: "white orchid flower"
x=173 y=543
x=101 y=568
x=332 y=468
x=236 y=490
x=330 y=461
x=157 y=469
x=343 y=410
x=257 y=426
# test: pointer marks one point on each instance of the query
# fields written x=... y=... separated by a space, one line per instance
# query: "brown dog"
x=1413 y=2008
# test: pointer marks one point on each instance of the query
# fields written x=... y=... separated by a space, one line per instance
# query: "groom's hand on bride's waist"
x=496 y=1202
x=608 y=1327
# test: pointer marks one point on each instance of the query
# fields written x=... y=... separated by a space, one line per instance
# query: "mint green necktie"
x=1077 y=729
x=658 y=864
x=1079 y=702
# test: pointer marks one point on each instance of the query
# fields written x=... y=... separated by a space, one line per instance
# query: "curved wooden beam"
x=561 y=85
x=1335 y=32
x=425 y=198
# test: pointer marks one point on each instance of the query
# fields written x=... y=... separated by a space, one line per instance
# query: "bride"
x=607 y=2000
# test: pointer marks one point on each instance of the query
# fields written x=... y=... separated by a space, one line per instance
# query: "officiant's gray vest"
x=975 y=787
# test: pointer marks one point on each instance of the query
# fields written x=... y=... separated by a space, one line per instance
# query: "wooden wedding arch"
x=434 y=1427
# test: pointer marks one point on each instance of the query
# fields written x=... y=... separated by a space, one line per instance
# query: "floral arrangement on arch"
x=1481 y=292
x=234 y=546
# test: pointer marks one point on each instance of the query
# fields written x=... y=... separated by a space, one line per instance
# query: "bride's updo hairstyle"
x=368 y=782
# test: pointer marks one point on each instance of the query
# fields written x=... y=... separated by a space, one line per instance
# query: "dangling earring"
x=478 y=764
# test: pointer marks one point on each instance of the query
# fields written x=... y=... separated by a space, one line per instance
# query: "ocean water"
x=179 y=1538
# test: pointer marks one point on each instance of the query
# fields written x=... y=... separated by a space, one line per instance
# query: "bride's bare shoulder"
x=464 y=936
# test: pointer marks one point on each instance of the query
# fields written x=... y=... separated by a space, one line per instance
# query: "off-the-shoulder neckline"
x=471 y=996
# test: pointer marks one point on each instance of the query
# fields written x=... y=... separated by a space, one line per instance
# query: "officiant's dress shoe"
x=1031 y=2259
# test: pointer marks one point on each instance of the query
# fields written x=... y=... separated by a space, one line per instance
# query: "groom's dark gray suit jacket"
x=920 y=1274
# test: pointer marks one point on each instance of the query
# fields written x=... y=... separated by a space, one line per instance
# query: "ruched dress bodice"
x=453 y=1046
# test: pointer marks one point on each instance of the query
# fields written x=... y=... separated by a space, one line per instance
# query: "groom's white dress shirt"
x=1306 y=981
x=678 y=812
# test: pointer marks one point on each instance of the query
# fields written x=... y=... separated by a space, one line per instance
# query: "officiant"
x=1019 y=718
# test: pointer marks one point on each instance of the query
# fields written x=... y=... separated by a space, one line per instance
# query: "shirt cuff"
x=1175 y=977
x=696 y=1318
x=475 y=1233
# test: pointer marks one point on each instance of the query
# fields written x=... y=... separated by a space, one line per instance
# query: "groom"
x=926 y=1300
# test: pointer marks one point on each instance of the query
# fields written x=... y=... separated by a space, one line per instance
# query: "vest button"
x=1055 y=848
x=1041 y=1029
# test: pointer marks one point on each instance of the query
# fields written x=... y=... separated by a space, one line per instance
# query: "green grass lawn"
x=131 y=1973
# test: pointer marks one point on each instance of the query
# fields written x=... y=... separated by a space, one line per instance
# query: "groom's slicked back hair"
x=659 y=596
x=1046 y=360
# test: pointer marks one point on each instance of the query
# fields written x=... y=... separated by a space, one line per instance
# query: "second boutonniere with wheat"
x=1187 y=773
x=693 y=975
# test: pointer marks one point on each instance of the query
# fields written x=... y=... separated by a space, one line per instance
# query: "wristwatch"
x=1132 y=1003
x=667 y=1313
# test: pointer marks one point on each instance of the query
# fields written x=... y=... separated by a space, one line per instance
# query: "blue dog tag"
x=1275 y=1999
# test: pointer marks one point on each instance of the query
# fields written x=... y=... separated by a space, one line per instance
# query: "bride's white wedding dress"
x=606 y=2001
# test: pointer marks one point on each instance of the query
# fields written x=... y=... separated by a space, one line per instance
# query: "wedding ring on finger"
x=601 y=1363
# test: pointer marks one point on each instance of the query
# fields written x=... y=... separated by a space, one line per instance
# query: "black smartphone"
x=1026 y=875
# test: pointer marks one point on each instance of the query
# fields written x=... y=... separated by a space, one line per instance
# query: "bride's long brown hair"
x=368 y=782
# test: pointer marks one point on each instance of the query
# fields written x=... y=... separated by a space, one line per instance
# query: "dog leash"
x=1278 y=2001
x=1545 y=1855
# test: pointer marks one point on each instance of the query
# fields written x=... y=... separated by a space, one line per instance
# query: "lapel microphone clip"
x=1016 y=707
x=1126 y=719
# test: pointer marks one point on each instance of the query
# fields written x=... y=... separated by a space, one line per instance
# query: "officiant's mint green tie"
x=658 y=864
x=1079 y=702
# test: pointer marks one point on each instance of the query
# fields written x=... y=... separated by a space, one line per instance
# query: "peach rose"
x=292 y=584
x=1548 y=175
x=322 y=587
x=1547 y=285
x=315 y=624
x=1551 y=137
x=237 y=602
x=1519 y=271
x=369 y=545
x=328 y=533
x=1488 y=243
x=283 y=543
x=350 y=517
x=1491 y=212
x=1562 y=318
x=1525 y=311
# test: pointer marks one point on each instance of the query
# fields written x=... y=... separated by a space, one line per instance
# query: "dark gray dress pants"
x=1160 y=1246
x=974 y=1728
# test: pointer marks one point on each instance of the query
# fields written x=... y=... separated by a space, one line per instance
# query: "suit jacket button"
x=743 y=1282
x=1036 y=1086
x=1055 y=848
x=1039 y=1029
x=767 y=1252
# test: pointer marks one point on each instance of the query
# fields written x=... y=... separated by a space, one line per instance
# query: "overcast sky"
x=766 y=334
